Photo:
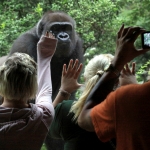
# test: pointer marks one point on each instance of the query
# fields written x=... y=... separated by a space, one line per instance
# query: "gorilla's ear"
x=39 y=28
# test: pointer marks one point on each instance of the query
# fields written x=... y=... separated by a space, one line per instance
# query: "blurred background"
x=97 y=23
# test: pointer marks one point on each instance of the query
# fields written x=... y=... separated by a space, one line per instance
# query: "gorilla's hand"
x=47 y=45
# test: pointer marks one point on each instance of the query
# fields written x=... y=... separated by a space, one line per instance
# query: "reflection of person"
x=124 y=114
x=24 y=125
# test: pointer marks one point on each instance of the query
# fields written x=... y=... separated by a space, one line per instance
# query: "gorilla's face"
x=63 y=30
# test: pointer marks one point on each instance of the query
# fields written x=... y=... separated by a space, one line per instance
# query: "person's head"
x=18 y=77
x=92 y=73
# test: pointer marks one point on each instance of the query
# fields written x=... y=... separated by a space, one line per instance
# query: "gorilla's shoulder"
x=29 y=36
x=25 y=43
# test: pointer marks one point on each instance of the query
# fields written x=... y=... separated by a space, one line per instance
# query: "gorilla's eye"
x=66 y=27
x=61 y=27
x=55 y=27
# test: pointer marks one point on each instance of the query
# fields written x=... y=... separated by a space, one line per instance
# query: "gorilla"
x=69 y=46
x=69 y=43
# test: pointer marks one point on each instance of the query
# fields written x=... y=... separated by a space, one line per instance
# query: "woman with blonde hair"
x=23 y=125
x=64 y=125
x=92 y=73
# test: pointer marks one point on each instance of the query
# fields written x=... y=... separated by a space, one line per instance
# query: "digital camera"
x=145 y=36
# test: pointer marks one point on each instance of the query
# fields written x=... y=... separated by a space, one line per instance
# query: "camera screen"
x=146 y=39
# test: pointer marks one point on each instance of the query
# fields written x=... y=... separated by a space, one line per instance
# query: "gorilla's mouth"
x=64 y=41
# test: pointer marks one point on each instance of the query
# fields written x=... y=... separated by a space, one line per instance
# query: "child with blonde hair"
x=24 y=125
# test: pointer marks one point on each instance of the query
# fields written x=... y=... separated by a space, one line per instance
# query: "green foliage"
x=97 y=21
x=135 y=13
x=43 y=147
x=93 y=20
x=10 y=29
x=143 y=73
x=39 y=9
x=14 y=22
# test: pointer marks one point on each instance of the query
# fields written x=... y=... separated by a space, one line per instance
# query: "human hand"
x=47 y=45
x=70 y=76
x=126 y=50
x=128 y=75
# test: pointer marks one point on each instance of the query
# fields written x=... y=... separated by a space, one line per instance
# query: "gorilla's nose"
x=63 y=36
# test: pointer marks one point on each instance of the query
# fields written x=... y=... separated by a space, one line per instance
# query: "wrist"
x=117 y=64
x=114 y=70
x=64 y=93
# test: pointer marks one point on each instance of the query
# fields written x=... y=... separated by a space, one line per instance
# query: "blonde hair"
x=18 y=77
x=93 y=71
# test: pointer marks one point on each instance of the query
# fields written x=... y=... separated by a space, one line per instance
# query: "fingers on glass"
x=120 y=31
x=50 y=35
x=78 y=71
x=64 y=71
x=73 y=69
